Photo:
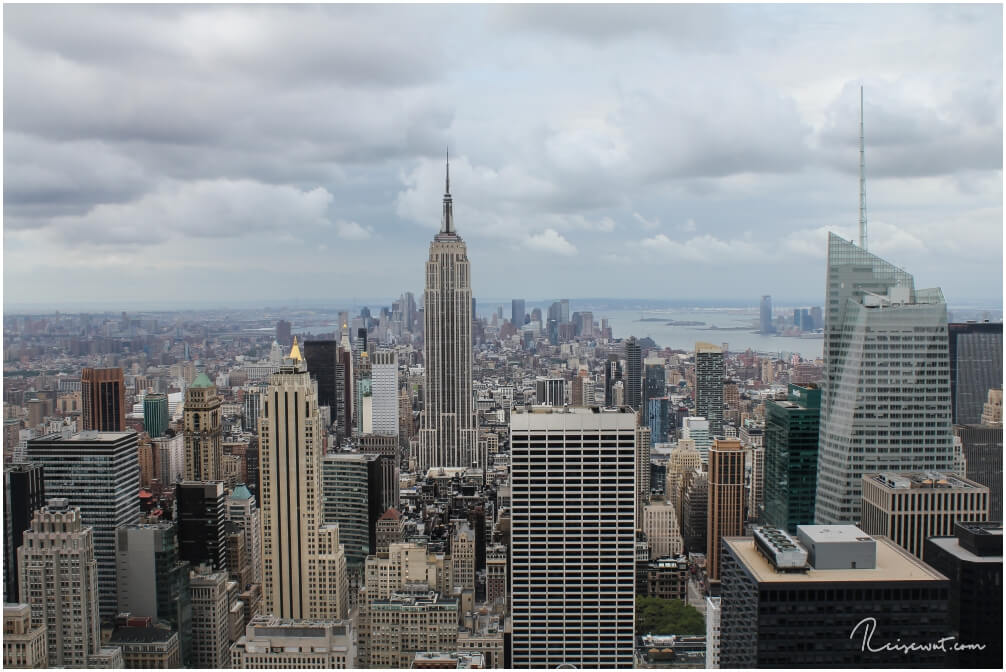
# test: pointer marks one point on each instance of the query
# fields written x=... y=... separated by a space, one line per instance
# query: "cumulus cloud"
x=353 y=230
x=550 y=240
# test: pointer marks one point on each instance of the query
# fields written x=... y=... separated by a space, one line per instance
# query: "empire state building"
x=448 y=437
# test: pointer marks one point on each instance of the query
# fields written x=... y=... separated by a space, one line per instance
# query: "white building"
x=660 y=523
x=697 y=429
x=712 y=633
x=271 y=642
x=384 y=392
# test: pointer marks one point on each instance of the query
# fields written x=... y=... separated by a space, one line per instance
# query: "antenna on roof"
x=862 y=175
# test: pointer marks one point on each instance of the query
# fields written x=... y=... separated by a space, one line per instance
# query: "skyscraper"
x=517 y=313
x=791 y=429
x=983 y=454
x=612 y=375
x=321 y=359
x=726 y=499
x=202 y=514
x=283 y=332
x=103 y=400
x=643 y=444
x=384 y=392
x=449 y=437
x=766 y=315
x=633 y=373
x=23 y=494
x=573 y=604
x=155 y=414
x=709 y=385
x=886 y=397
x=976 y=366
x=654 y=386
x=203 y=431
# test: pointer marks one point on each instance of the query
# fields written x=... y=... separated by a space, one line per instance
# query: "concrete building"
x=660 y=523
x=210 y=618
x=394 y=629
x=384 y=391
x=148 y=648
x=24 y=644
x=643 y=445
x=99 y=473
x=242 y=509
x=791 y=429
x=390 y=530
x=23 y=494
x=270 y=643
x=910 y=508
x=887 y=361
x=203 y=431
x=463 y=557
x=695 y=512
x=709 y=385
x=497 y=575
x=666 y=578
x=726 y=499
x=573 y=606
x=550 y=391
x=103 y=397
x=712 y=633
x=992 y=411
x=449 y=437
x=833 y=598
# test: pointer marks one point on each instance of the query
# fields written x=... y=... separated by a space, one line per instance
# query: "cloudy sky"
x=237 y=153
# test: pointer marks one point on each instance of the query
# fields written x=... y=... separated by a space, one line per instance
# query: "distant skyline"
x=238 y=155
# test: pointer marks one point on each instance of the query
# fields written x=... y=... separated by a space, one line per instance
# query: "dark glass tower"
x=791 y=429
x=633 y=373
x=976 y=366
x=24 y=493
x=321 y=358
x=201 y=521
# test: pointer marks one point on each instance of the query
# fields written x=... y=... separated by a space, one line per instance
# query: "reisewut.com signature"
x=944 y=644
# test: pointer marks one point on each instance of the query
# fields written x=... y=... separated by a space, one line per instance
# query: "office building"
x=612 y=376
x=697 y=429
x=59 y=583
x=449 y=437
x=659 y=416
x=908 y=508
x=885 y=403
x=654 y=386
x=24 y=493
x=765 y=315
x=791 y=429
x=517 y=313
x=155 y=414
x=147 y=648
x=243 y=510
x=384 y=392
x=322 y=359
x=24 y=644
x=168 y=455
x=153 y=581
x=982 y=446
x=660 y=523
x=210 y=618
x=202 y=514
x=643 y=445
x=98 y=473
x=103 y=400
x=633 y=373
x=709 y=385
x=390 y=530
x=712 y=633
x=976 y=366
x=726 y=499
x=394 y=629
x=270 y=643
x=682 y=462
x=814 y=601
x=283 y=329
x=550 y=391
x=973 y=561
x=992 y=411
x=585 y=618
x=664 y=577
x=203 y=431
x=463 y=557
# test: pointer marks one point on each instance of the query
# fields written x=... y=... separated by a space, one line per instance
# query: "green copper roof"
x=202 y=380
x=241 y=492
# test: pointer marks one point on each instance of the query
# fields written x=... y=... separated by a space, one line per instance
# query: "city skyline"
x=303 y=173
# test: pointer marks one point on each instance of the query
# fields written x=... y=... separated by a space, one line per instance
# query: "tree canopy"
x=667 y=617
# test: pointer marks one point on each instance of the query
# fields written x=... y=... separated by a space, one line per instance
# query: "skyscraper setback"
x=448 y=437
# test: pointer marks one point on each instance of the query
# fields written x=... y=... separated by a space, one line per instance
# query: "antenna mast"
x=862 y=176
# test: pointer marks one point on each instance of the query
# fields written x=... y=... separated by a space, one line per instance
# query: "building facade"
x=976 y=366
x=726 y=499
x=24 y=645
x=24 y=494
x=709 y=385
x=791 y=429
x=203 y=431
x=103 y=400
x=271 y=643
x=202 y=516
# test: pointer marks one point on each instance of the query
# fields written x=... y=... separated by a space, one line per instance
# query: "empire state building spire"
x=447 y=220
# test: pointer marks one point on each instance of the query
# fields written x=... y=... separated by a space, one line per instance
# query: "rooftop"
x=919 y=480
x=127 y=635
x=201 y=381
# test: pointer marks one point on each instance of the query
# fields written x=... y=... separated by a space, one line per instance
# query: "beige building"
x=404 y=564
x=911 y=507
x=463 y=557
x=149 y=648
x=726 y=499
x=992 y=412
x=210 y=618
x=496 y=575
x=660 y=523
x=275 y=643
x=642 y=470
x=203 y=431
x=482 y=633
x=390 y=530
x=394 y=629
x=329 y=592
x=24 y=645
x=685 y=458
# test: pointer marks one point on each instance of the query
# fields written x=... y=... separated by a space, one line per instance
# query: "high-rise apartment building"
x=103 y=397
x=449 y=437
x=908 y=508
x=885 y=404
x=982 y=446
x=791 y=429
x=202 y=516
x=976 y=365
x=155 y=414
x=726 y=499
x=709 y=385
x=24 y=644
x=384 y=392
x=574 y=604
x=99 y=473
x=271 y=643
x=23 y=494
x=765 y=315
x=633 y=373
x=517 y=313
x=203 y=431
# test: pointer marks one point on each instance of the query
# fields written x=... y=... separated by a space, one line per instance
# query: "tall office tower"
x=202 y=517
x=581 y=593
x=983 y=455
x=449 y=437
x=643 y=444
x=563 y=311
x=612 y=375
x=24 y=645
x=660 y=523
x=59 y=582
x=203 y=431
x=242 y=509
x=517 y=313
x=155 y=414
x=103 y=400
x=550 y=391
x=681 y=464
x=346 y=392
x=384 y=390
x=976 y=365
x=290 y=444
x=363 y=422
x=654 y=387
x=766 y=315
x=153 y=581
x=814 y=601
x=709 y=385
x=463 y=557
x=322 y=360
x=697 y=429
x=250 y=405
x=633 y=373
x=726 y=499
x=99 y=473
x=271 y=643
x=210 y=619
x=885 y=404
x=23 y=494
x=659 y=419
x=791 y=429
x=618 y=394
x=406 y=423
x=589 y=391
x=973 y=561
x=992 y=411
x=695 y=512
x=910 y=508
x=283 y=332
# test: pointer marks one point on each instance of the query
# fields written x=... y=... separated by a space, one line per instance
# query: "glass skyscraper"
x=791 y=429
x=886 y=397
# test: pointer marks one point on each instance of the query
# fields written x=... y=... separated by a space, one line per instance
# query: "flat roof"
x=953 y=545
x=86 y=435
x=823 y=534
x=893 y=564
